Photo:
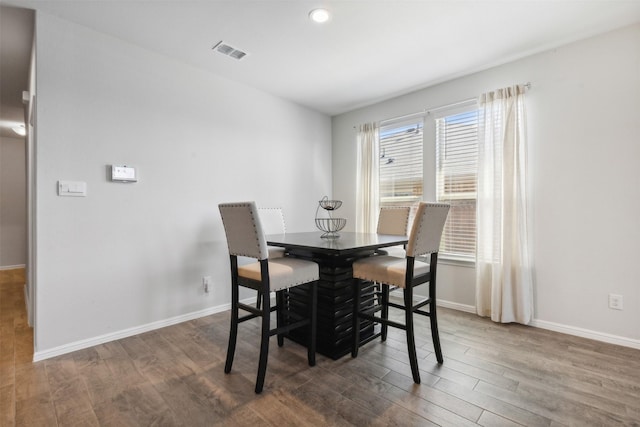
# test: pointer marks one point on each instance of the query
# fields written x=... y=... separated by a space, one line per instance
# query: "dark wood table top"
x=347 y=243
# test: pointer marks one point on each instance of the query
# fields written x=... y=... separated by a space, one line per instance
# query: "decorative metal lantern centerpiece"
x=330 y=226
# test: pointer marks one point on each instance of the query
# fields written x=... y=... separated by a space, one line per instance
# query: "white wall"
x=13 y=202
x=131 y=254
x=584 y=146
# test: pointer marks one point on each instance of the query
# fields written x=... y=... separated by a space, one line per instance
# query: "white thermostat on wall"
x=123 y=173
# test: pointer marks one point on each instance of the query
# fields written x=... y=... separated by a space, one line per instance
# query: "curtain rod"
x=466 y=101
x=425 y=112
x=406 y=116
x=453 y=104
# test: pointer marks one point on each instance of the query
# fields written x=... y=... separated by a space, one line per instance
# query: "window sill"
x=458 y=261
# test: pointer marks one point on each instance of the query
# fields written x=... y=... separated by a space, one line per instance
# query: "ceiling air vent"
x=231 y=51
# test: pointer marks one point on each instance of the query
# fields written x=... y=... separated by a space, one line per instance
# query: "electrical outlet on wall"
x=206 y=284
x=615 y=301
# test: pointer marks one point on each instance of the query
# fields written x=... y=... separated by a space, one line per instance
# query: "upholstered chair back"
x=426 y=232
x=244 y=230
x=393 y=221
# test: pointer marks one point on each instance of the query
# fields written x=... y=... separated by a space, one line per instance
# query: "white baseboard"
x=442 y=303
x=12 y=267
x=557 y=327
x=586 y=333
x=82 y=344
x=90 y=342
x=457 y=306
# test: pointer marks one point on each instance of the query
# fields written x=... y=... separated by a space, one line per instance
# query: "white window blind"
x=456 y=179
x=401 y=163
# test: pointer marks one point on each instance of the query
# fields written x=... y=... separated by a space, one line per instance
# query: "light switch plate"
x=72 y=188
x=123 y=173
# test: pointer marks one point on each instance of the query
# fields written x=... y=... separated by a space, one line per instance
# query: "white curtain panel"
x=504 y=286
x=367 y=185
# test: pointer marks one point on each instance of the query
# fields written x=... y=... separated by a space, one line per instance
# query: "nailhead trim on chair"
x=264 y=276
x=421 y=224
x=406 y=222
x=253 y=222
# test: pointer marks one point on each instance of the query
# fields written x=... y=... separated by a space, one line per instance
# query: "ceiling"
x=368 y=51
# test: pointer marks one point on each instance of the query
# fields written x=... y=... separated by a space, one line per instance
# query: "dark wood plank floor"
x=493 y=375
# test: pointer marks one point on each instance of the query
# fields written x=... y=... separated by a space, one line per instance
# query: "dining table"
x=335 y=256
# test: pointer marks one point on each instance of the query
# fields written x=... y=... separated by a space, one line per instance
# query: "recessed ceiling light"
x=319 y=15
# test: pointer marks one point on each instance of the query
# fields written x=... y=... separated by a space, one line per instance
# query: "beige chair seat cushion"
x=386 y=269
x=283 y=272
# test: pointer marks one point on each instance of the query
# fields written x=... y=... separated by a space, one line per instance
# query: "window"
x=401 y=163
x=452 y=141
x=456 y=180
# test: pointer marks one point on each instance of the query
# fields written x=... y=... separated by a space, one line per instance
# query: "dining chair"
x=405 y=273
x=245 y=237
x=394 y=221
x=272 y=220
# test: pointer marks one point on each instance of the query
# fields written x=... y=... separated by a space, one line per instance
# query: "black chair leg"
x=435 y=337
x=411 y=342
x=356 y=319
x=233 y=333
x=313 y=302
x=259 y=299
x=385 y=311
x=280 y=307
x=264 y=341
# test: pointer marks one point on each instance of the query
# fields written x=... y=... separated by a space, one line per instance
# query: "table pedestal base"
x=335 y=309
